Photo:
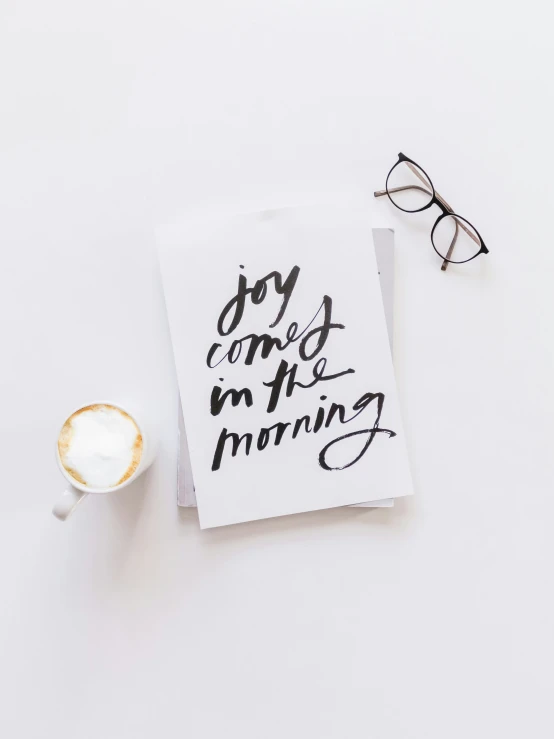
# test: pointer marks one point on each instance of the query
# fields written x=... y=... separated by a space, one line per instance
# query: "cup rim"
x=86 y=488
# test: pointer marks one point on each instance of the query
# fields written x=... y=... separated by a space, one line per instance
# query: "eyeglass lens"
x=455 y=239
x=409 y=188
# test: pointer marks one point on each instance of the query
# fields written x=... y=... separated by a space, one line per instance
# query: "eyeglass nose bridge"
x=441 y=203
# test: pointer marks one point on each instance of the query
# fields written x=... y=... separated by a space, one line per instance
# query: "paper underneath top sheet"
x=280 y=448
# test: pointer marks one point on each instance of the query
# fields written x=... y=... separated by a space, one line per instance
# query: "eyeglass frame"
x=438 y=200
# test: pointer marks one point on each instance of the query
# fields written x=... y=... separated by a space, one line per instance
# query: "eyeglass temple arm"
x=445 y=261
x=380 y=193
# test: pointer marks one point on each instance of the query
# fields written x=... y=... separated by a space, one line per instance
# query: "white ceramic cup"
x=76 y=492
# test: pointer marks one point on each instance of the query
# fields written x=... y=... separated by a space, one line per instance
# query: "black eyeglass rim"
x=404 y=158
x=482 y=250
x=435 y=201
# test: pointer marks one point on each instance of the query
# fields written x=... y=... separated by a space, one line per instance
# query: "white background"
x=430 y=620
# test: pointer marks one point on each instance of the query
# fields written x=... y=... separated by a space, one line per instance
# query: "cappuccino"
x=100 y=446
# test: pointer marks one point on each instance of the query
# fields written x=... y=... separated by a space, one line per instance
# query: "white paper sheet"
x=262 y=457
x=383 y=241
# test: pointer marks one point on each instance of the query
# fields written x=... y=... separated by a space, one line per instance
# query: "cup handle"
x=67 y=503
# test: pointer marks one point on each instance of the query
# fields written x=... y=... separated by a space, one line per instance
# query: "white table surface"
x=430 y=620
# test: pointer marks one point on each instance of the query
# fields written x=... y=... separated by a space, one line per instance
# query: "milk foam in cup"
x=101 y=448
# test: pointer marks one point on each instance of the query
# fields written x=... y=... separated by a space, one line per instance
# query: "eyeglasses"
x=410 y=189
